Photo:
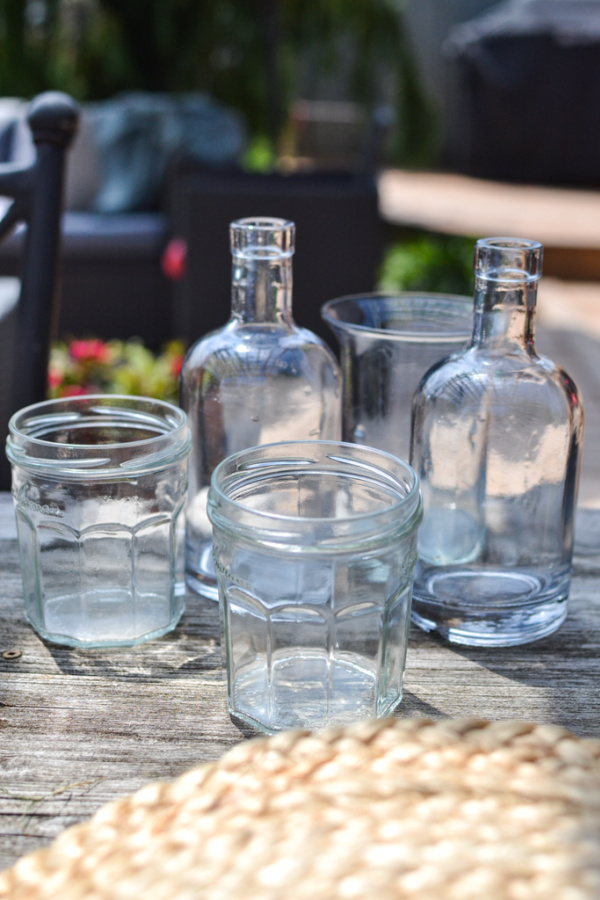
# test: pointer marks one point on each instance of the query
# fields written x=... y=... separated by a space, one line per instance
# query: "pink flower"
x=93 y=350
x=174 y=259
x=54 y=378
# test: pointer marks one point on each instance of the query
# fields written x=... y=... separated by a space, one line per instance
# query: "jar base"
x=103 y=619
x=308 y=690
x=489 y=608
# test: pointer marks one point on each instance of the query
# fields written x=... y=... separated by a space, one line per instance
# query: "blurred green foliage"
x=429 y=263
x=246 y=53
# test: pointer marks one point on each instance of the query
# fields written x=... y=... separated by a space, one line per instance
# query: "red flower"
x=175 y=364
x=89 y=351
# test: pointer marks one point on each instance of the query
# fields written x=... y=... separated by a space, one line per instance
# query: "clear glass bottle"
x=258 y=380
x=496 y=441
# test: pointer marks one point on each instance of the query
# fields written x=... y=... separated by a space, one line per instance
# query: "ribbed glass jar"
x=314 y=548
x=99 y=486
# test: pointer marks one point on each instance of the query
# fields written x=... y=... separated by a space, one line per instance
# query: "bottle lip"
x=249 y=471
x=164 y=436
x=262 y=237
x=508 y=259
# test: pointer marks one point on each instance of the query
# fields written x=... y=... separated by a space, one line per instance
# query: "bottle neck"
x=262 y=288
x=504 y=314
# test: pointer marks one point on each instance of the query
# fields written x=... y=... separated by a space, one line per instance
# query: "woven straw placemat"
x=389 y=809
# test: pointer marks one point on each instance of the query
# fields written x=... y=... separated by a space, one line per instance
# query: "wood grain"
x=80 y=728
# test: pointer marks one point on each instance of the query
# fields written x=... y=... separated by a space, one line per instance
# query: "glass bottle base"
x=489 y=608
x=200 y=573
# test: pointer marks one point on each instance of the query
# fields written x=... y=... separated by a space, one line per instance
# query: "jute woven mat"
x=389 y=809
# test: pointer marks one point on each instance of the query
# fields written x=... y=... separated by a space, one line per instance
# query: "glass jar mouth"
x=413 y=316
x=239 y=499
x=98 y=436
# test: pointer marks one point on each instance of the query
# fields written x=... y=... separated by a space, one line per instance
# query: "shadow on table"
x=559 y=670
x=413 y=707
x=564 y=667
x=193 y=648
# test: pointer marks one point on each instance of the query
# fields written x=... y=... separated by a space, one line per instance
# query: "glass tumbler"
x=315 y=547
x=99 y=486
x=387 y=343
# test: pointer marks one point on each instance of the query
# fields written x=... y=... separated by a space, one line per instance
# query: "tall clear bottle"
x=496 y=441
x=257 y=380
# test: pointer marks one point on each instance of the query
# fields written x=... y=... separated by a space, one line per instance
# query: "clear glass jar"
x=257 y=380
x=99 y=486
x=314 y=547
x=496 y=441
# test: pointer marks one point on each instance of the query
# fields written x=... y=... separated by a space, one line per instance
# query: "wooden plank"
x=458 y=204
x=80 y=728
x=571 y=306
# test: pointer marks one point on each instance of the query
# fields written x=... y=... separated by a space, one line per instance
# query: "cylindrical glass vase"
x=387 y=344
x=99 y=486
x=314 y=548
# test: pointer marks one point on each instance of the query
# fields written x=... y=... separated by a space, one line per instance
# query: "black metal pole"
x=53 y=118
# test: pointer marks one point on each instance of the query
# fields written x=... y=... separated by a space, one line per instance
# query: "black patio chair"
x=36 y=194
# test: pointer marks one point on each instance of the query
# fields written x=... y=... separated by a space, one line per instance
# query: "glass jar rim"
x=27 y=447
x=402 y=515
x=456 y=303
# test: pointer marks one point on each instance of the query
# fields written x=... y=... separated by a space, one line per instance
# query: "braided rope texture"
x=388 y=809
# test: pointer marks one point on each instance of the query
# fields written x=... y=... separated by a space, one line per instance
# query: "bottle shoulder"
x=489 y=368
x=242 y=350
x=237 y=335
x=562 y=377
x=208 y=344
x=471 y=374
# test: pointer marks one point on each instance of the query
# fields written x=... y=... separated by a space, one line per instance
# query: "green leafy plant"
x=114 y=367
x=429 y=263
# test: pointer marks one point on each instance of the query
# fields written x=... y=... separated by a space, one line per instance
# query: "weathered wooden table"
x=80 y=728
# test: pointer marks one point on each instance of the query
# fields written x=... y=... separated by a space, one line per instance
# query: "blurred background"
x=394 y=132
